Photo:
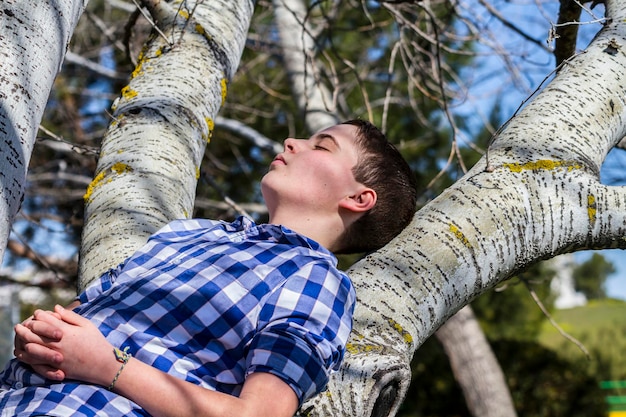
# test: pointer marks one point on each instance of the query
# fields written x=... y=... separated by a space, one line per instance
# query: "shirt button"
x=19 y=385
x=115 y=296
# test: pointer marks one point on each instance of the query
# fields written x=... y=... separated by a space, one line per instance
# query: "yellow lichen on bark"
x=459 y=235
x=138 y=70
x=405 y=335
x=140 y=61
x=542 y=165
x=120 y=168
x=210 y=124
x=117 y=168
x=92 y=186
x=591 y=208
x=128 y=93
x=224 y=84
x=118 y=119
x=356 y=348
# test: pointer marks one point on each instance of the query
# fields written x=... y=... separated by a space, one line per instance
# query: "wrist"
x=122 y=357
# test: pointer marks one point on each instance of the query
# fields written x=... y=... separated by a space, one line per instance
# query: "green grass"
x=601 y=327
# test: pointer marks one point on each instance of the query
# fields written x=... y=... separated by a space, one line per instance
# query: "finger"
x=17 y=340
x=36 y=354
x=70 y=317
x=24 y=335
x=49 y=372
x=28 y=320
x=32 y=349
x=45 y=315
x=48 y=332
x=48 y=323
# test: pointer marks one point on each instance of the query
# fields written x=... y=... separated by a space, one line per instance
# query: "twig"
x=226 y=198
x=157 y=9
x=563 y=333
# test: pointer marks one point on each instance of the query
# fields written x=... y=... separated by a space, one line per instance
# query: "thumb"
x=69 y=316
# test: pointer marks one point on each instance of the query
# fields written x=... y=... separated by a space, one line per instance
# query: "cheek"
x=336 y=184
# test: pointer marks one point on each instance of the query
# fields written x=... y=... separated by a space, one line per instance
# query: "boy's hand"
x=31 y=339
x=63 y=344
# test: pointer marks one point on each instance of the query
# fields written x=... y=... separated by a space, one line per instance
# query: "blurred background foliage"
x=547 y=374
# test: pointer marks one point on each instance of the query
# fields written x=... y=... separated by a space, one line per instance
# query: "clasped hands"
x=61 y=344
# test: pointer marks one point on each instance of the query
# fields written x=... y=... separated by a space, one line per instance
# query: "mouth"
x=278 y=160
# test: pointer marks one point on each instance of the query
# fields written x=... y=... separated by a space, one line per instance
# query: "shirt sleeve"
x=303 y=329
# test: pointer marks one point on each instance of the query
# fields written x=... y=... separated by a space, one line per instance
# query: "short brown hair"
x=381 y=167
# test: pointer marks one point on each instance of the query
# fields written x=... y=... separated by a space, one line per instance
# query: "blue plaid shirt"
x=208 y=302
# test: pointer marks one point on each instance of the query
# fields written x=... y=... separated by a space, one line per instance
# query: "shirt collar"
x=276 y=233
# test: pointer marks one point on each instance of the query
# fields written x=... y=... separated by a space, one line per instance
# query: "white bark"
x=475 y=366
x=299 y=55
x=538 y=195
x=471 y=360
x=33 y=41
x=151 y=154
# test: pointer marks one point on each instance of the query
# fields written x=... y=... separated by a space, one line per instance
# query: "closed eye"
x=324 y=142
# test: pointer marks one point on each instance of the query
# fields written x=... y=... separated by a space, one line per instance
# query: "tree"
x=160 y=129
x=33 y=42
x=529 y=198
x=590 y=277
x=557 y=386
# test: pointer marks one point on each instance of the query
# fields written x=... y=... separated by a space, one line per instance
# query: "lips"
x=279 y=160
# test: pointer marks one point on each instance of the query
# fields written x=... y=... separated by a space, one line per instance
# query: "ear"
x=360 y=202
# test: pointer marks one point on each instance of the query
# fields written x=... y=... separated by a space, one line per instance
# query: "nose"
x=291 y=145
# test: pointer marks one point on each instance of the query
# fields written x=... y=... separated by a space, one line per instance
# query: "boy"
x=220 y=319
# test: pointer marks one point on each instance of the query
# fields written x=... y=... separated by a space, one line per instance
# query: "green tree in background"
x=509 y=312
x=544 y=382
x=590 y=277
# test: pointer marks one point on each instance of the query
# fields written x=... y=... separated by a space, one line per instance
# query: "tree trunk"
x=299 y=54
x=33 y=40
x=150 y=157
x=475 y=367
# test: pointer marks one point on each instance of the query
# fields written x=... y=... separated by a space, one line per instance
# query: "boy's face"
x=313 y=173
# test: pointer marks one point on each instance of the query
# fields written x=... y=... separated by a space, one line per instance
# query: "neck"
x=324 y=230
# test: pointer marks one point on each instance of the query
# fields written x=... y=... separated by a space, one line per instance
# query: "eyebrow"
x=323 y=136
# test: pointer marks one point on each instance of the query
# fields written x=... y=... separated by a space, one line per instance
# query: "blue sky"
x=616 y=284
